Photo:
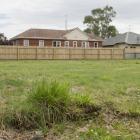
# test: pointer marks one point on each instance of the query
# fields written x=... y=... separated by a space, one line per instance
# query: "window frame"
x=97 y=45
x=85 y=44
x=26 y=43
x=68 y=45
x=57 y=42
x=41 y=43
x=75 y=45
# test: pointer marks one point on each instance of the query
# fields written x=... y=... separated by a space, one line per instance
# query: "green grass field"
x=112 y=85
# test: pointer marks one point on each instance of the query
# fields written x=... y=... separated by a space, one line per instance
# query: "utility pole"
x=108 y=2
x=66 y=22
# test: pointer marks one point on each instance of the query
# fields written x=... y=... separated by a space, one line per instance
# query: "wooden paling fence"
x=49 y=53
x=37 y=53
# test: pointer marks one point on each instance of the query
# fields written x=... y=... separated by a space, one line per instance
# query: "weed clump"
x=49 y=103
x=51 y=100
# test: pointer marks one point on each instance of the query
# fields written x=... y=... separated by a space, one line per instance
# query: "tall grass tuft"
x=51 y=99
x=49 y=103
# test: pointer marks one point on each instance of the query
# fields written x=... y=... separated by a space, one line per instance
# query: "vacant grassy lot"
x=112 y=85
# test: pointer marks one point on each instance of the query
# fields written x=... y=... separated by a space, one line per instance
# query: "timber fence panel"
x=45 y=53
x=77 y=53
x=61 y=54
x=8 y=53
x=50 y=53
x=27 y=53
x=105 y=54
x=132 y=53
x=118 y=54
x=91 y=53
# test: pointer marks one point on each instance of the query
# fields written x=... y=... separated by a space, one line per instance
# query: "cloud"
x=19 y=15
x=3 y=16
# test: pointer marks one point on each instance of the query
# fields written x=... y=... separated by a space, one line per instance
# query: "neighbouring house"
x=57 y=38
x=126 y=40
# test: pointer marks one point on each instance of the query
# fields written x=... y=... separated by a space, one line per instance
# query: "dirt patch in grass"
x=110 y=112
x=107 y=117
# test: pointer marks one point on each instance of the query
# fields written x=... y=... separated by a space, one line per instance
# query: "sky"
x=17 y=16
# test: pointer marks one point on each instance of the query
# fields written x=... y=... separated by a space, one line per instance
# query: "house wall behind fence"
x=48 y=42
x=37 y=53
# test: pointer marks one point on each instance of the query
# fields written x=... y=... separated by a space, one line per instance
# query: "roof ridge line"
x=126 y=38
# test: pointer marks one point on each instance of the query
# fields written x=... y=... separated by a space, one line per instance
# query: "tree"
x=99 y=22
x=3 y=40
x=112 y=31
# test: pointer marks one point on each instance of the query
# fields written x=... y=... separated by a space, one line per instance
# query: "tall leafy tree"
x=3 y=40
x=112 y=31
x=99 y=22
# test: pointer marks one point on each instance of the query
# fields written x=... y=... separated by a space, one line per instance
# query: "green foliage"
x=112 y=31
x=101 y=134
x=53 y=93
x=83 y=100
x=99 y=22
x=52 y=99
x=3 y=39
x=113 y=82
x=47 y=103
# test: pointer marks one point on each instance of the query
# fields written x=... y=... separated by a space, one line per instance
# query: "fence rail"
x=49 y=53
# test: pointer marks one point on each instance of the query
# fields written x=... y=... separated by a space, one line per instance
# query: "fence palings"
x=50 y=53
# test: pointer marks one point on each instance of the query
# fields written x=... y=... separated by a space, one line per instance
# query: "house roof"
x=49 y=34
x=42 y=33
x=127 y=38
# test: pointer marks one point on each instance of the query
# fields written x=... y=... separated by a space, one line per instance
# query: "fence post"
x=17 y=53
x=135 y=53
x=36 y=53
x=84 y=53
x=69 y=54
x=98 y=54
x=53 y=54
x=124 y=53
x=112 y=53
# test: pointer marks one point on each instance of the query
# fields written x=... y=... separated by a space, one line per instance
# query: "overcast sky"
x=19 y=15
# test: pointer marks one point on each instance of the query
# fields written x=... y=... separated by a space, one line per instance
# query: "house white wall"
x=77 y=34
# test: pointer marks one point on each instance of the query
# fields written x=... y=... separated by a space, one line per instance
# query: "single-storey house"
x=56 y=38
x=126 y=40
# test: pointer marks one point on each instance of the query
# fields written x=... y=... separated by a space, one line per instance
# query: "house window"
x=74 y=43
x=56 y=44
x=96 y=45
x=85 y=44
x=41 y=43
x=66 y=44
x=132 y=47
x=26 y=43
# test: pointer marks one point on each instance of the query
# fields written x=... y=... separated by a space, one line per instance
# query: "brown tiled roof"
x=42 y=33
x=49 y=34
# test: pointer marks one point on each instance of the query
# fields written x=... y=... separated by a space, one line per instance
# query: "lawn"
x=112 y=85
